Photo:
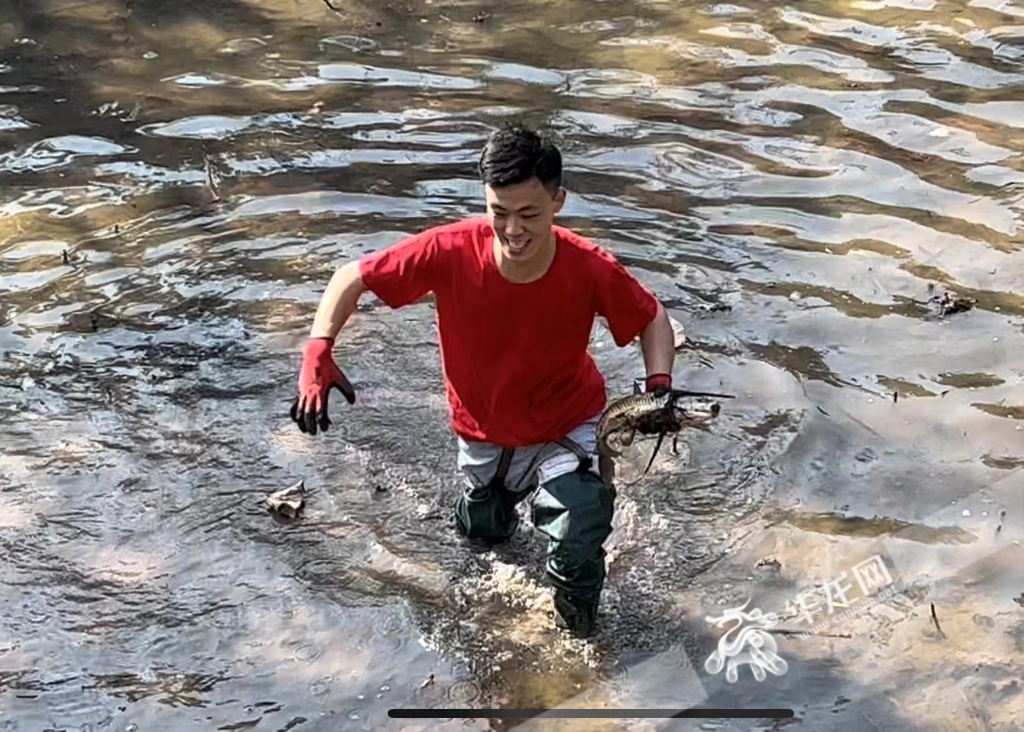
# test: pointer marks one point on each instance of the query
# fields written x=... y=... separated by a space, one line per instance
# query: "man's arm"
x=633 y=311
x=657 y=344
x=399 y=274
x=338 y=301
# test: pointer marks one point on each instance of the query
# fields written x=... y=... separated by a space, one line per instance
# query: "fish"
x=656 y=413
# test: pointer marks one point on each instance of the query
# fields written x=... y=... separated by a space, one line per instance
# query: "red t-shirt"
x=515 y=356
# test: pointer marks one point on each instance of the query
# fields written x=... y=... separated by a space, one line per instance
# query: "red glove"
x=658 y=383
x=318 y=374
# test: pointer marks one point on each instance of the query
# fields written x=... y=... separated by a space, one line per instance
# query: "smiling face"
x=522 y=215
x=522 y=176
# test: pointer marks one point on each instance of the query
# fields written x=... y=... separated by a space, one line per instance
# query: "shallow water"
x=796 y=181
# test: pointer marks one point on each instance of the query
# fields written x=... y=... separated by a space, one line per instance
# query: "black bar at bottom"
x=693 y=713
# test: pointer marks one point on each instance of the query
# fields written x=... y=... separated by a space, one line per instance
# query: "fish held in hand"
x=656 y=413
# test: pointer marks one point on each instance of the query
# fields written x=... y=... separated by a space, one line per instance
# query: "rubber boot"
x=579 y=618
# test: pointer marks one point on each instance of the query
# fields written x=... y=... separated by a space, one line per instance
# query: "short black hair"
x=514 y=154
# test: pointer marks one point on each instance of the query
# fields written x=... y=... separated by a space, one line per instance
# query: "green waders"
x=574 y=509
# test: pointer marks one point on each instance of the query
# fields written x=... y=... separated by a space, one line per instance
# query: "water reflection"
x=178 y=184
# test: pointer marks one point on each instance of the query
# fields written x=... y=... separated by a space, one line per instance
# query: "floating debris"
x=949 y=302
x=88 y=321
x=289 y=501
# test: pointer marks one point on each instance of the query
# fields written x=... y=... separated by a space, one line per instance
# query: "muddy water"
x=795 y=181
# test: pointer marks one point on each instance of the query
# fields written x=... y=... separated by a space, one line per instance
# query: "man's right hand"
x=317 y=376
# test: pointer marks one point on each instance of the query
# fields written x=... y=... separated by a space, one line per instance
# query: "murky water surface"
x=797 y=180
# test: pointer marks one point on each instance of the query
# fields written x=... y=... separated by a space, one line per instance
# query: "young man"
x=516 y=298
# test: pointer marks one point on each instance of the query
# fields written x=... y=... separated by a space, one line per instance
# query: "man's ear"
x=560 y=199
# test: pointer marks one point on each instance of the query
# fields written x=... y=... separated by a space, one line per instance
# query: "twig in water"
x=936 y=621
x=211 y=177
x=806 y=633
x=328 y=4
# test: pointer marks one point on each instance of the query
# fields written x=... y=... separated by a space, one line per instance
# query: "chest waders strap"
x=605 y=467
x=498 y=481
x=586 y=462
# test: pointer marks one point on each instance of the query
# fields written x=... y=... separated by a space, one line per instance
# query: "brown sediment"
x=878 y=526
